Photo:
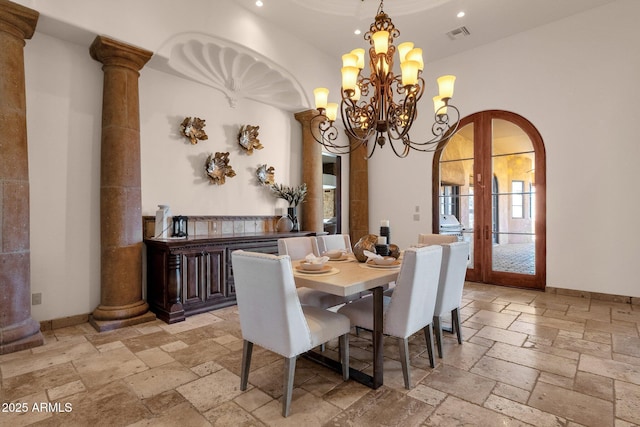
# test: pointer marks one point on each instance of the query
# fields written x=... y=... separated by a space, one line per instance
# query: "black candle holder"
x=385 y=232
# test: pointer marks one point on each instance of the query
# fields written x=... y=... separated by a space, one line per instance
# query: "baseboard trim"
x=594 y=295
x=63 y=322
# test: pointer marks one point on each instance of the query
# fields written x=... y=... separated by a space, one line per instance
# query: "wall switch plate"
x=416 y=217
x=36 y=299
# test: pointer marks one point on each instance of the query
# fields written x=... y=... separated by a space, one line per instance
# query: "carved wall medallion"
x=266 y=175
x=192 y=128
x=248 y=138
x=218 y=169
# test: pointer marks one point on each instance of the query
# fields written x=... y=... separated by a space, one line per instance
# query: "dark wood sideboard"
x=192 y=275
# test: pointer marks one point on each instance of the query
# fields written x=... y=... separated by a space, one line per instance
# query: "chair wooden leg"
x=438 y=331
x=247 y=350
x=428 y=336
x=455 y=323
x=289 y=371
x=403 y=343
x=344 y=355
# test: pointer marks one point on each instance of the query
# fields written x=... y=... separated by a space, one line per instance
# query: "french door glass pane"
x=456 y=182
x=513 y=222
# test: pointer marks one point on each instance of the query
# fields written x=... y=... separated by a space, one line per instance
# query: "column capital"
x=305 y=116
x=113 y=52
x=17 y=20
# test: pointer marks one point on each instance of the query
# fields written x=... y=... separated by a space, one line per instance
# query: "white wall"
x=64 y=96
x=576 y=80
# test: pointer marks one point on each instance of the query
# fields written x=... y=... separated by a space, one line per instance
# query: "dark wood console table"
x=192 y=275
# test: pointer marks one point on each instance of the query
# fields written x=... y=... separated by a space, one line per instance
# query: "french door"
x=492 y=176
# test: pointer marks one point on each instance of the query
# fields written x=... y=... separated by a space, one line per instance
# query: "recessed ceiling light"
x=460 y=14
x=259 y=3
x=357 y=32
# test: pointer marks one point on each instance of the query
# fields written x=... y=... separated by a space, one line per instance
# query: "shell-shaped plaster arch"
x=235 y=70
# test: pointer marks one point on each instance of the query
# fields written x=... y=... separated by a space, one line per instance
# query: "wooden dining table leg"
x=378 y=344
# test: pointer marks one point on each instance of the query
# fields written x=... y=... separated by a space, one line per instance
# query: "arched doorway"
x=492 y=176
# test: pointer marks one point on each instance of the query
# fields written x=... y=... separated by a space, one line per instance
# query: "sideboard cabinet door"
x=203 y=281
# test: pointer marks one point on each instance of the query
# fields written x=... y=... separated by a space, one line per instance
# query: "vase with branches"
x=294 y=196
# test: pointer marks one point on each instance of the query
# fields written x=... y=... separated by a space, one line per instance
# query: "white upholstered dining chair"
x=298 y=248
x=411 y=306
x=272 y=317
x=436 y=239
x=330 y=242
x=452 y=275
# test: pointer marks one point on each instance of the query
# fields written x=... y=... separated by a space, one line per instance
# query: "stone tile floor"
x=528 y=358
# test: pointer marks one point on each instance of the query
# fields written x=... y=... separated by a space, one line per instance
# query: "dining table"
x=346 y=278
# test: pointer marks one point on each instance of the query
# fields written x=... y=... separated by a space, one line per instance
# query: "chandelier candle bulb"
x=359 y=53
x=445 y=86
x=349 y=60
x=409 y=72
x=380 y=41
x=321 y=96
x=403 y=49
x=439 y=106
x=332 y=111
x=416 y=55
x=349 y=78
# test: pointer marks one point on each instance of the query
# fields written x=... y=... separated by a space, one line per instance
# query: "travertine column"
x=18 y=330
x=121 y=301
x=358 y=193
x=311 y=174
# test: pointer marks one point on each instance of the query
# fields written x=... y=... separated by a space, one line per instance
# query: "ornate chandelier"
x=368 y=109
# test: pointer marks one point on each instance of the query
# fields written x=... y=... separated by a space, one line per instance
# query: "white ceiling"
x=329 y=24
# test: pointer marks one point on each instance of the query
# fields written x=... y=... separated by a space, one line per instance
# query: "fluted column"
x=121 y=302
x=311 y=174
x=358 y=193
x=18 y=331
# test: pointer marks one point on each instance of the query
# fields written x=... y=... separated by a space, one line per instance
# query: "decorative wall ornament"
x=235 y=70
x=266 y=175
x=193 y=128
x=248 y=138
x=218 y=169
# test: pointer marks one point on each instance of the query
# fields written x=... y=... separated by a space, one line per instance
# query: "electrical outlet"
x=416 y=217
x=36 y=299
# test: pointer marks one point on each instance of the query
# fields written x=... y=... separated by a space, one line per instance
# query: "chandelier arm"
x=405 y=150
x=325 y=133
x=441 y=137
x=353 y=118
x=402 y=117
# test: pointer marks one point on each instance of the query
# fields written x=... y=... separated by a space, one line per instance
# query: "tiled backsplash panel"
x=218 y=225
